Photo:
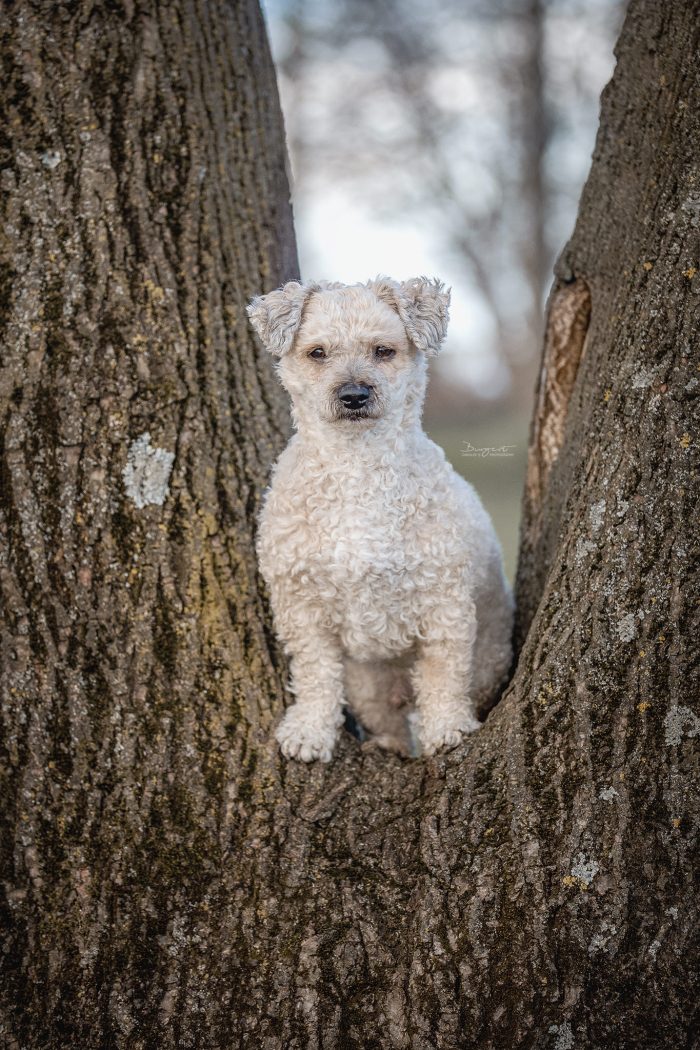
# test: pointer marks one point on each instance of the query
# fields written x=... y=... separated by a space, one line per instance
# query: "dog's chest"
x=362 y=550
x=364 y=528
x=364 y=563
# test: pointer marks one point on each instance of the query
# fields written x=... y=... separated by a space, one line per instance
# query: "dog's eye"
x=383 y=353
x=318 y=353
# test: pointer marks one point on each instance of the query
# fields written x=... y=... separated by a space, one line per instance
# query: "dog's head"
x=353 y=354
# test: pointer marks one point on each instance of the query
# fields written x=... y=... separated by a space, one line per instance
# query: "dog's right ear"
x=276 y=316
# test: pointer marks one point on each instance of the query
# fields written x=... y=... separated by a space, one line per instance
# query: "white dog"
x=384 y=570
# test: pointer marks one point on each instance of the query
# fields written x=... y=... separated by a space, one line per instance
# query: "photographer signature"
x=488 y=450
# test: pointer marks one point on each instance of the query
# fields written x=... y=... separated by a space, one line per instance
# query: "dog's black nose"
x=354 y=395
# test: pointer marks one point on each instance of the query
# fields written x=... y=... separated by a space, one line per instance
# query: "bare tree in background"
x=447 y=113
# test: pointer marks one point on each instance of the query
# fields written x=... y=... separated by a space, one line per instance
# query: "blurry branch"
x=535 y=124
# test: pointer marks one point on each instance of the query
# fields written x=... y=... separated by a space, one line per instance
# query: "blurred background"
x=450 y=139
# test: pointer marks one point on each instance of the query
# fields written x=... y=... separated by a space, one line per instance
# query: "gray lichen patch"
x=627 y=628
x=564 y=1036
x=584 y=870
x=642 y=379
x=596 y=514
x=584 y=547
x=147 y=472
x=599 y=941
x=51 y=159
x=680 y=721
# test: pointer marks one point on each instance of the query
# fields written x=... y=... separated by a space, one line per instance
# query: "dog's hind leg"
x=377 y=694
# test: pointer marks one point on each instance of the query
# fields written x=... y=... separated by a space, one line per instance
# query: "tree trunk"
x=170 y=881
x=145 y=199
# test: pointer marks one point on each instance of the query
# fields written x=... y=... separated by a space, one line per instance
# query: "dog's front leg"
x=442 y=679
x=310 y=726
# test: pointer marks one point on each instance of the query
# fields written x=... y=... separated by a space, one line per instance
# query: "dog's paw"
x=438 y=733
x=301 y=734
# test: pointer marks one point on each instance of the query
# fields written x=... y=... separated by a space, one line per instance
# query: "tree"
x=170 y=882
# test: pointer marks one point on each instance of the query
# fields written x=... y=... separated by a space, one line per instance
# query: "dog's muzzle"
x=354 y=396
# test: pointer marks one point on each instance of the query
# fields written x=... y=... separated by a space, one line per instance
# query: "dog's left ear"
x=276 y=316
x=423 y=306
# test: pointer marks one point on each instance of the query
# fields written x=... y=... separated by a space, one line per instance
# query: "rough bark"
x=144 y=199
x=169 y=881
x=568 y=318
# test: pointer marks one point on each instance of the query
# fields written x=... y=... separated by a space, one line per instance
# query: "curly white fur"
x=384 y=570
